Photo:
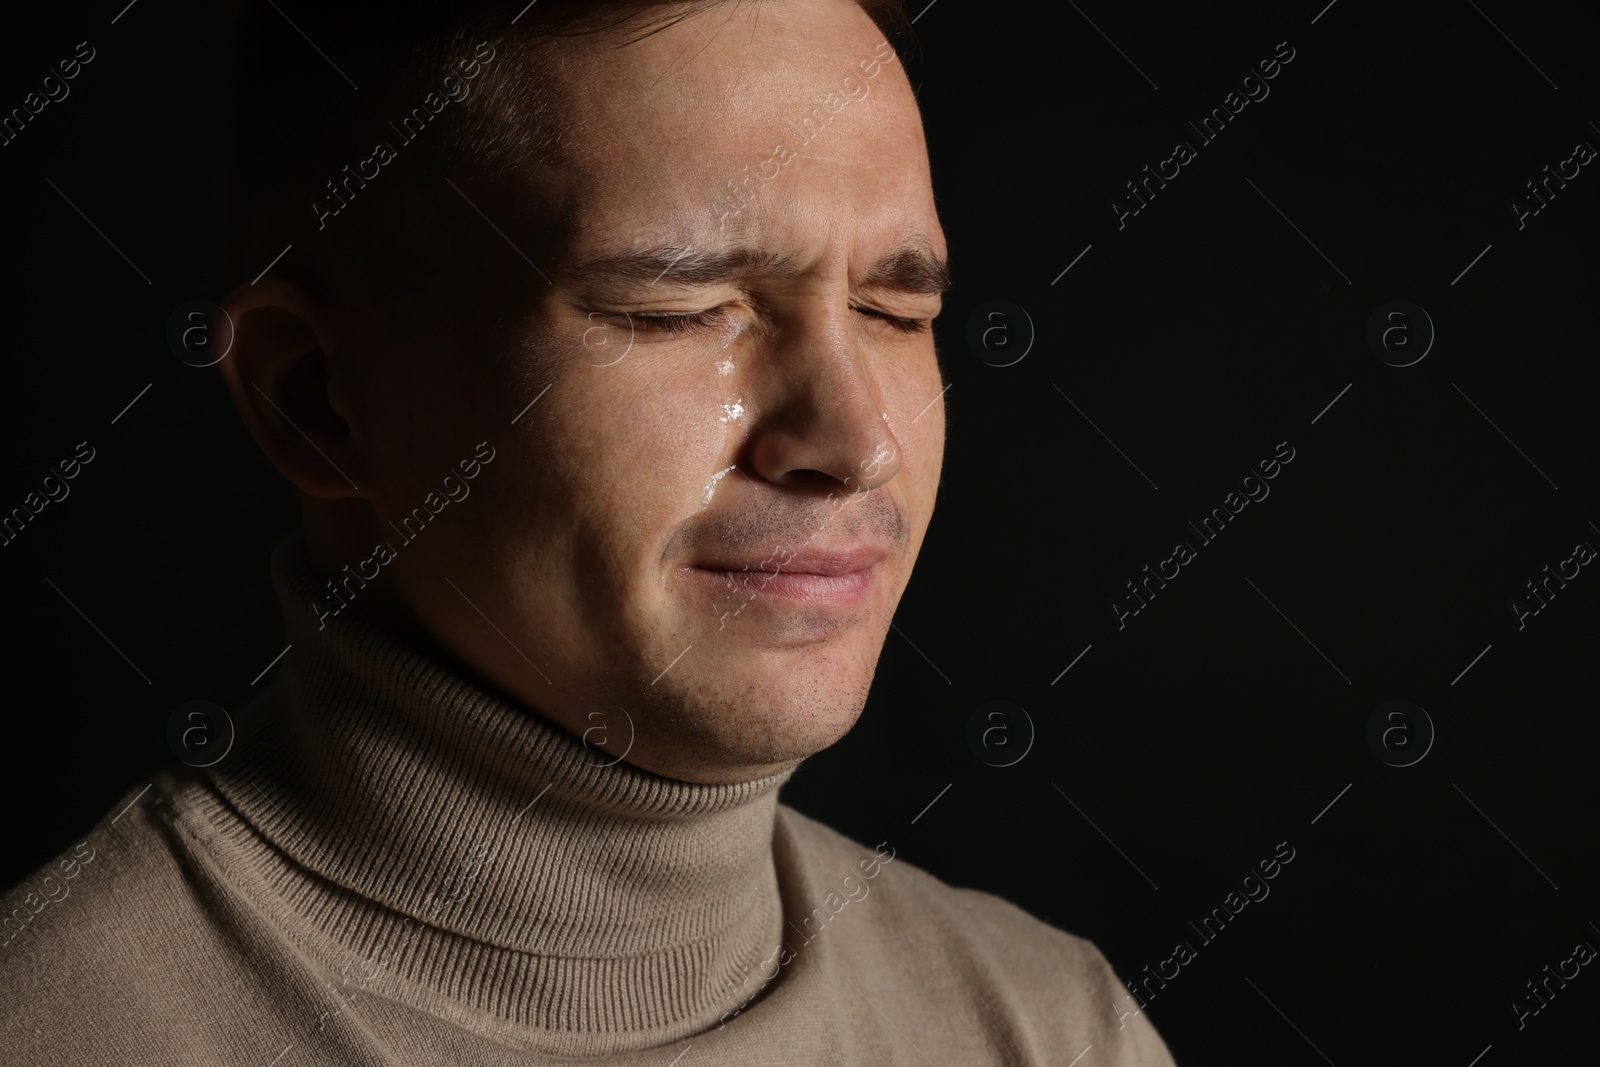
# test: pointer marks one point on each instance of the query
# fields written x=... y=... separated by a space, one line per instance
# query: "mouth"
x=814 y=578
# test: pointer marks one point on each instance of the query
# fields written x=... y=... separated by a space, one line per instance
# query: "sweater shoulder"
x=66 y=914
x=119 y=944
x=1040 y=990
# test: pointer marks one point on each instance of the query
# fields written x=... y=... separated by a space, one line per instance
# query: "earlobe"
x=282 y=374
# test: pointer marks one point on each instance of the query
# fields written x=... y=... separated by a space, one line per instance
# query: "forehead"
x=786 y=125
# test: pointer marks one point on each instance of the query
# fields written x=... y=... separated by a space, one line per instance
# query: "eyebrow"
x=909 y=270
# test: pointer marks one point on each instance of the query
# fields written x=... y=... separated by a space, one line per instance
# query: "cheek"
x=635 y=444
x=915 y=405
x=425 y=413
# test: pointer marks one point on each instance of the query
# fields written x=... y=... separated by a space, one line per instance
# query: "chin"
x=721 y=729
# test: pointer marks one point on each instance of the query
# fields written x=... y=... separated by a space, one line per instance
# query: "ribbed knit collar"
x=480 y=862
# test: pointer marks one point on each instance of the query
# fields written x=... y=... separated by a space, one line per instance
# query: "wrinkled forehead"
x=752 y=124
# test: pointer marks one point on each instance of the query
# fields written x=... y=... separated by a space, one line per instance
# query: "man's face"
x=700 y=529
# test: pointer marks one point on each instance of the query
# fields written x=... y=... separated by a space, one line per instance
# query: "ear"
x=284 y=372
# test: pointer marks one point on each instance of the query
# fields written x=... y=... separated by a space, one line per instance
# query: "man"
x=613 y=408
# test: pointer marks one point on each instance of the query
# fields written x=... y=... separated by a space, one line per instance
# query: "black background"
x=1178 y=751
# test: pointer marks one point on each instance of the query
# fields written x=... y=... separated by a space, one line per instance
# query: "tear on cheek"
x=730 y=334
x=711 y=486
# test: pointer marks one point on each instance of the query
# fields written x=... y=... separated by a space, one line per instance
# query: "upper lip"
x=810 y=560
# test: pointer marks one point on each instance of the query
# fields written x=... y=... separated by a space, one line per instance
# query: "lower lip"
x=817 y=589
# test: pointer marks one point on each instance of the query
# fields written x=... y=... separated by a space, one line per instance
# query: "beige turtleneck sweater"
x=394 y=866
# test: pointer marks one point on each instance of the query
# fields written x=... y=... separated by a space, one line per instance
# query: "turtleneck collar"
x=459 y=853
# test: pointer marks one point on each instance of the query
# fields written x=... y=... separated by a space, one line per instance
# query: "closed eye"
x=717 y=319
x=714 y=319
x=902 y=324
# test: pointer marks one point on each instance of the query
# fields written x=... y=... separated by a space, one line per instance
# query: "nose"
x=821 y=425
